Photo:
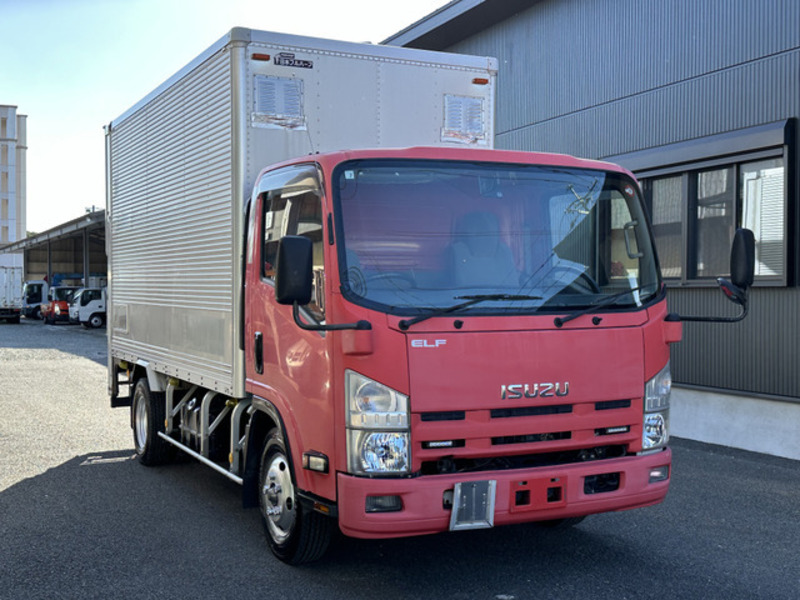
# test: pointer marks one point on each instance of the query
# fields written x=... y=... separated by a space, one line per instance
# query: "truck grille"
x=526 y=436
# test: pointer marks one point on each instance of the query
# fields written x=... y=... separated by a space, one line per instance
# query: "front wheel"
x=296 y=533
x=96 y=320
x=148 y=412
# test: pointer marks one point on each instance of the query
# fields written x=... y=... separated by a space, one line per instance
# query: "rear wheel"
x=296 y=533
x=148 y=412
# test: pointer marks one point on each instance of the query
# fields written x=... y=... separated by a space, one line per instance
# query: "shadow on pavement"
x=101 y=525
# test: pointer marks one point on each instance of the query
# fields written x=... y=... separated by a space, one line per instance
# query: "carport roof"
x=92 y=222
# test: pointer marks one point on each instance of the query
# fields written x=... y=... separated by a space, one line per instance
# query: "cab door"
x=286 y=365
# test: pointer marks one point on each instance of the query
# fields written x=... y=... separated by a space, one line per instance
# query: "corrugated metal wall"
x=759 y=354
x=600 y=78
x=604 y=77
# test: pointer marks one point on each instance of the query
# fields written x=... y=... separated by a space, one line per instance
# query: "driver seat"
x=479 y=256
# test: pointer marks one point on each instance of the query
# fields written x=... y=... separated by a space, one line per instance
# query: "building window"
x=696 y=211
x=762 y=185
x=715 y=223
x=667 y=217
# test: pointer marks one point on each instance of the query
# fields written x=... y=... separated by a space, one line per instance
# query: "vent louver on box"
x=463 y=119
x=278 y=103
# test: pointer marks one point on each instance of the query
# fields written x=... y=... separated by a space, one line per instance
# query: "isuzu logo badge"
x=515 y=391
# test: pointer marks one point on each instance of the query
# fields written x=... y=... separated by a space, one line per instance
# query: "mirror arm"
x=739 y=317
x=360 y=325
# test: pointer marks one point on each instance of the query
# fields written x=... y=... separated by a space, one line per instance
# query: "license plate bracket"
x=473 y=505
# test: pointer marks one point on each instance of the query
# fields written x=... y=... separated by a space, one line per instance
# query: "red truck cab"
x=57 y=306
x=483 y=340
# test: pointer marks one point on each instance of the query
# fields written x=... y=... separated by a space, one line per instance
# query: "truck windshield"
x=417 y=237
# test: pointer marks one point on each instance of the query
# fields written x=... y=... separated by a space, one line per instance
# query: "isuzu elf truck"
x=326 y=285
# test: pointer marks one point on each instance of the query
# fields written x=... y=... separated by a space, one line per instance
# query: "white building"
x=13 y=145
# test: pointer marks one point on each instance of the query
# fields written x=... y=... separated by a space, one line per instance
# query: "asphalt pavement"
x=80 y=518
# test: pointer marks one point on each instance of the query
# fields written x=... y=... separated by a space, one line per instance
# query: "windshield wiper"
x=470 y=300
x=559 y=321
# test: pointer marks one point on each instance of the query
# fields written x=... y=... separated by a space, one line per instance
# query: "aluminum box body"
x=182 y=162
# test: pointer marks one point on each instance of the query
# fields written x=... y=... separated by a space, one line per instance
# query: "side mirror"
x=743 y=263
x=743 y=258
x=293 y=270
x=294 y=275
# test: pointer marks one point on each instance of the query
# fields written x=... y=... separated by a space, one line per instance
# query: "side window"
x=695 y=213
x=295 y=208
x=625 y=253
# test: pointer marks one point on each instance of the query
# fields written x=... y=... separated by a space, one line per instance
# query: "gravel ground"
x=43 y=370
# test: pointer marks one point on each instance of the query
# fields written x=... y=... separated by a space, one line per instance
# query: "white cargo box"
x=10 y=287
x=182 y=161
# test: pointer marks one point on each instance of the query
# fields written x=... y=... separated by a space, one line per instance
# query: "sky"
x=73 y=66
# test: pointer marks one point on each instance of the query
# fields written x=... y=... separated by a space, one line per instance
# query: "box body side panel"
x=172 y=225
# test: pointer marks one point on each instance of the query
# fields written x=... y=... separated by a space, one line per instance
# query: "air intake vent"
x=454 y=415
x=530 y=438
x=612 y=404
x=531 y=411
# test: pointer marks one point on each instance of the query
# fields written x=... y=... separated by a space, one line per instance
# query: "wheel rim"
x=96 y=321
x=139 y=420
x=277 y=493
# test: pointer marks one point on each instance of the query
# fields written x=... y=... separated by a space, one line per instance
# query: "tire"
x=148 y=411
x=296 y=533
x=96 y=320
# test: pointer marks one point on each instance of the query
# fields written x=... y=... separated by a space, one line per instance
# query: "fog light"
x=383 y=504
x=659 y=474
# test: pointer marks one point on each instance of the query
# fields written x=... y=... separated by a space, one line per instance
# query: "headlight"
x=378 y=437
x=372 y=405
x=657 y=391
x=655 y=431
x=378 y=452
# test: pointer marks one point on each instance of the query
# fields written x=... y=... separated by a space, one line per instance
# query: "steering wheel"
x=580 y=275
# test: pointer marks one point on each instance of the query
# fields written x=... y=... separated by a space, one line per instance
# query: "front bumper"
x=522 y=495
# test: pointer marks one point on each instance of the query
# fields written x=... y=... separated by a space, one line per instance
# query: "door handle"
x=258 y=352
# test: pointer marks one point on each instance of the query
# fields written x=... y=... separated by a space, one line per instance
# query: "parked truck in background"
x=34 y=294
x=55 y=308
x=10 y=294
x=88 y=307
x=393 y=340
